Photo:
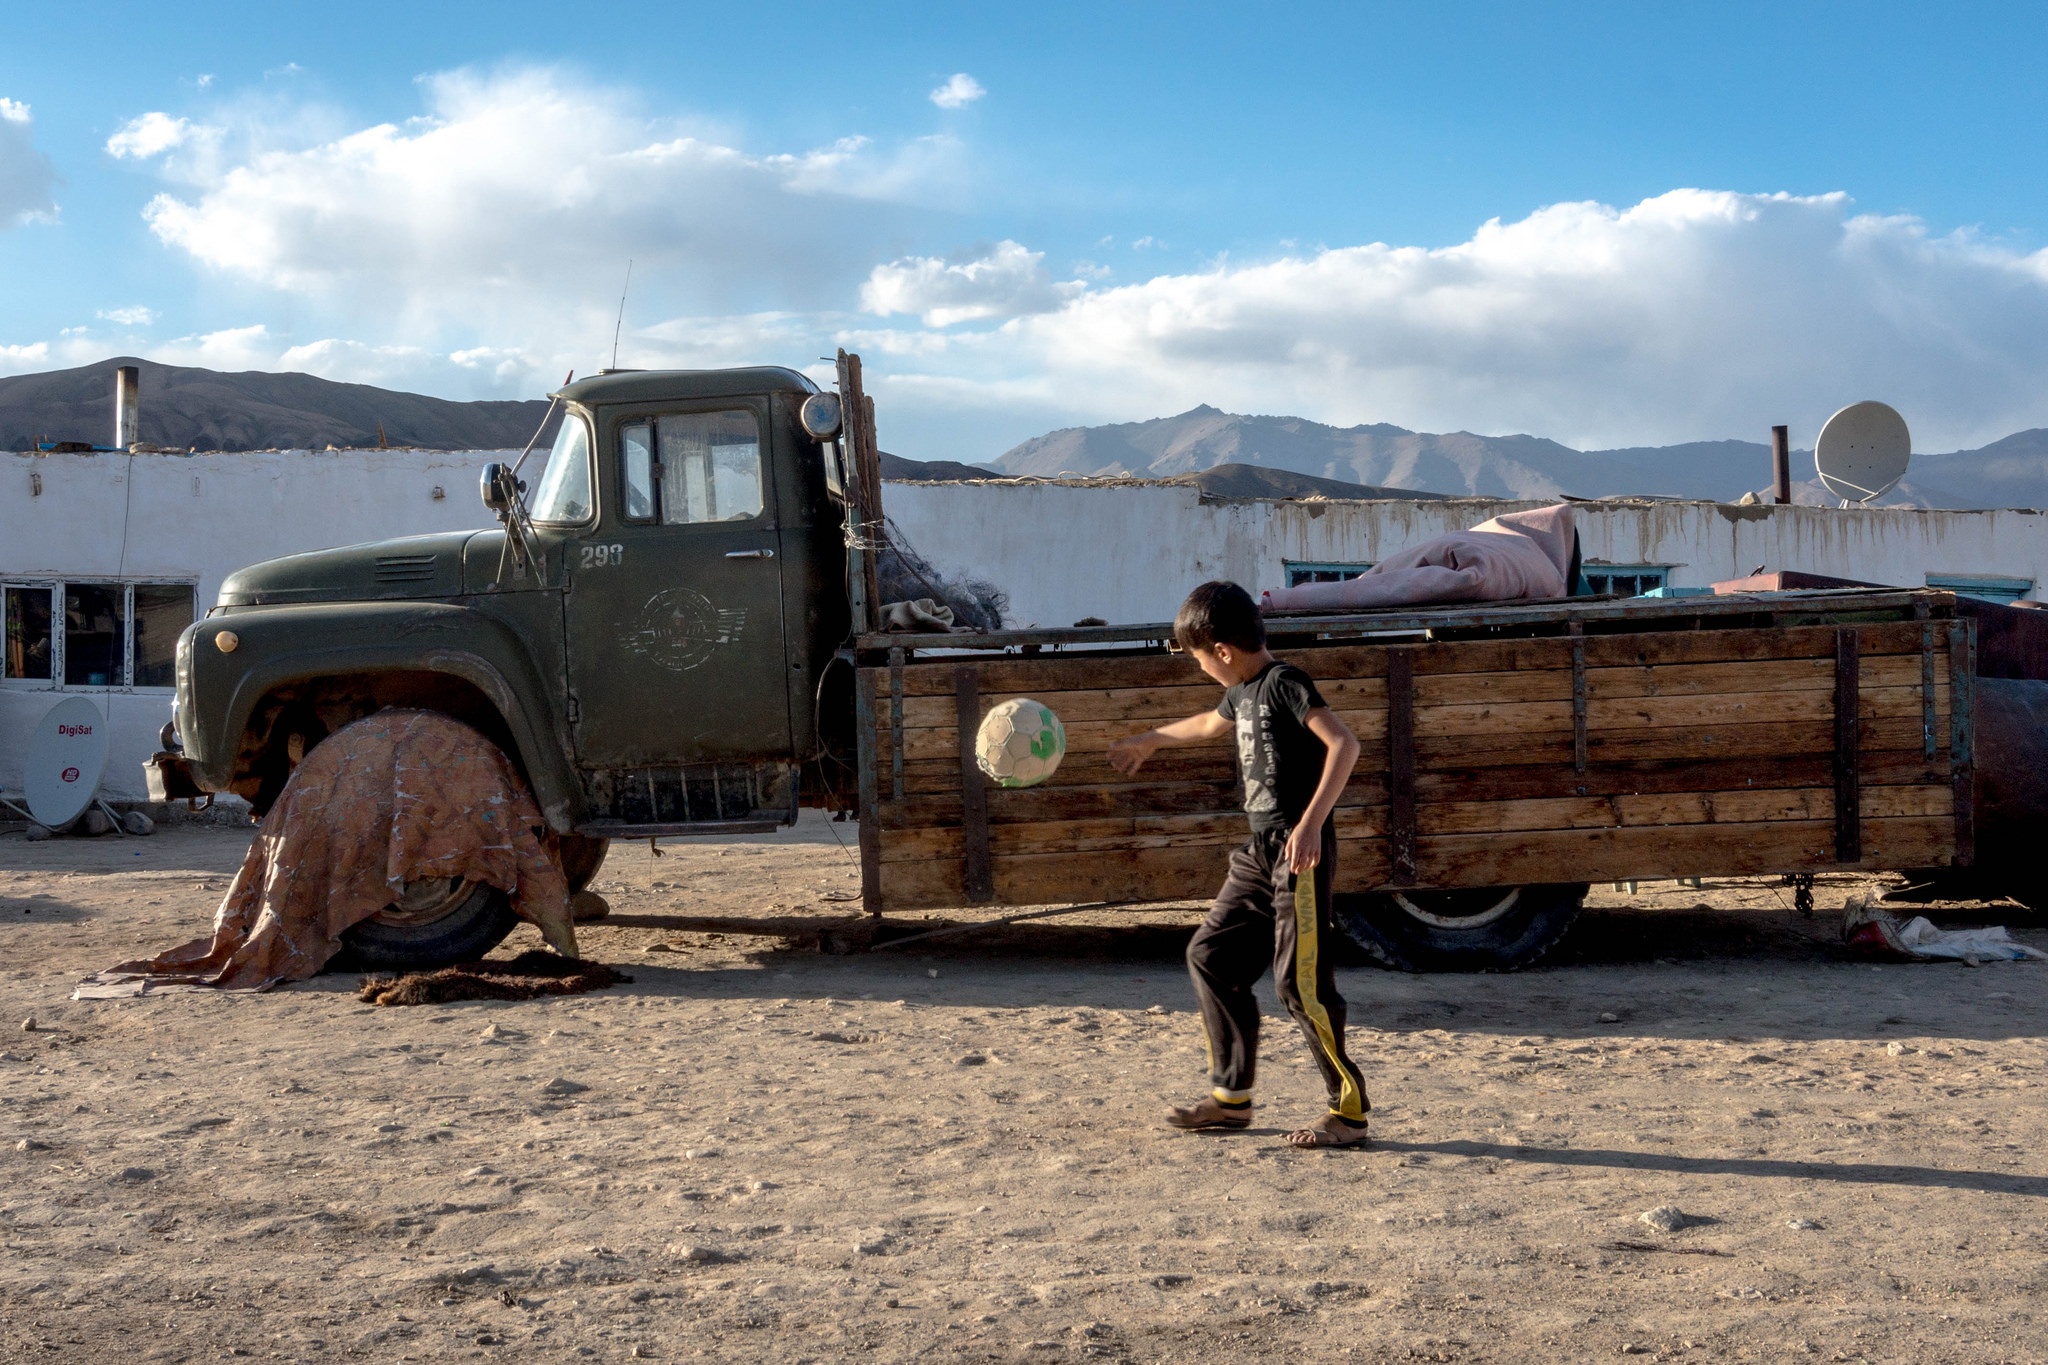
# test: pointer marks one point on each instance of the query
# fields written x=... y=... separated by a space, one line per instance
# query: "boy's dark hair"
x=1219 y=613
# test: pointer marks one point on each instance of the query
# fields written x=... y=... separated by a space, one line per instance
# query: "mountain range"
x=2012 y=472
x=1226 y=454
x=183 y=408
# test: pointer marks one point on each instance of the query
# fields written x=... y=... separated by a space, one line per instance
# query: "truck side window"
x=710 y=467
x=636 y=443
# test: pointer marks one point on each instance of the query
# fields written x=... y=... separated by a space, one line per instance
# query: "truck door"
x=674 y=631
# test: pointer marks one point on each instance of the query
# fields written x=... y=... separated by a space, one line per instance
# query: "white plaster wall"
x=200 y=517
x=1062 y=552
x=1131 y=553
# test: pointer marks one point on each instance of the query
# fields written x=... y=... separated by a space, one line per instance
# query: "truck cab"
x=647 y=636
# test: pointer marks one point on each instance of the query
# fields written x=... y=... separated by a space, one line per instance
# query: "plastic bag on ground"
x=1870 y=932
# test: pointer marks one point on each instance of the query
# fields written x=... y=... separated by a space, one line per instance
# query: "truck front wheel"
x=1488 y=929
x=435 y=922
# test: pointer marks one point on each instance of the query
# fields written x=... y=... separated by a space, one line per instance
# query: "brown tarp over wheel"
x=392 y=798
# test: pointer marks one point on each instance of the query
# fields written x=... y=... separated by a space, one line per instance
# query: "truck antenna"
x=619 y=326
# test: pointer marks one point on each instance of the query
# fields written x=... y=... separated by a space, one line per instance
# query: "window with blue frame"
x=1624 y=580
x=1300 y=571
x=1989 y=587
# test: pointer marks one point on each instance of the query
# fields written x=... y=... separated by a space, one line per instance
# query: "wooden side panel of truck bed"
x=1485 y=762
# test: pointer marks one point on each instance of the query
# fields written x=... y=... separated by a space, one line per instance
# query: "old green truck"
x=677 y=632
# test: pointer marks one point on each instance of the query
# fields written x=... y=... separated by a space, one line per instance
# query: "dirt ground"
x=951 y=1149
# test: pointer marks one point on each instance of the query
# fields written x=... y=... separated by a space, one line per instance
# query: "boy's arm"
x=1128 y=754
x=1340 y=756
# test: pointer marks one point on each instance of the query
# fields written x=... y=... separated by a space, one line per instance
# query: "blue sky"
x=1117 y=212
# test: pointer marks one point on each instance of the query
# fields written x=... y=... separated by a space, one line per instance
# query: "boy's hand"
x=1128 y=754
x=1304 y=846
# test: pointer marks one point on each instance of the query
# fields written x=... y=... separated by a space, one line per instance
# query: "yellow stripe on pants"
x=1350 y=1100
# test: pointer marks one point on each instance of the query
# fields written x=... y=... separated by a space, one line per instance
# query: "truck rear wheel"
x=436 y=922
x=1488 y=929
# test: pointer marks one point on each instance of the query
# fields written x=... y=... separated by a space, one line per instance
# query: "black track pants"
x=1254 y=922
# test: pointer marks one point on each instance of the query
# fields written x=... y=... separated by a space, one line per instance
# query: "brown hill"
x=252 y=410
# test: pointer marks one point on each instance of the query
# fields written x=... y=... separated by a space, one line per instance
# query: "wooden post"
x=1401 y=766
x=1962 y=742
x=1578 y=631
x=864 y=493
x=1848 y=747
x=979 y=874
x=896 y=722
x=870 y=794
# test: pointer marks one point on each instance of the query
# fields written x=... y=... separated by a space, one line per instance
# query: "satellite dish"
x=1862 y=451
x=66 y=757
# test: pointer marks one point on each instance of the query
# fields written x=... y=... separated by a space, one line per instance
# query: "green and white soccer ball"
x=1020 y=743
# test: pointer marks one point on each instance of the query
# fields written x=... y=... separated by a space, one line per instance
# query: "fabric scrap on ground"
x=526 y=977
x=395 y=797
x=1518 y=555
x=1869 y=932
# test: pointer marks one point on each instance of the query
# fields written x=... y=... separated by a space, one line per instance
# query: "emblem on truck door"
x=679 y=629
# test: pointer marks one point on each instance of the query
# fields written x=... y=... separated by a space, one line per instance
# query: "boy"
x=1295 y=757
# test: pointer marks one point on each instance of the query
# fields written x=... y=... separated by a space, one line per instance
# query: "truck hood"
x=413 y=566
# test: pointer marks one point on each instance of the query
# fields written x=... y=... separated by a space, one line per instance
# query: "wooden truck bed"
x=1502 y=745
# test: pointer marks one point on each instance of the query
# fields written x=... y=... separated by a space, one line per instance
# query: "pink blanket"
x=1522 y=554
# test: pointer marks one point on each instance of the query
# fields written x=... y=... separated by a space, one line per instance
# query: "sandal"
x=1210 y=1116
x=1330 y=1130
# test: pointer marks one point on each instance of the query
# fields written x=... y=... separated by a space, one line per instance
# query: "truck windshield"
x=564 y=492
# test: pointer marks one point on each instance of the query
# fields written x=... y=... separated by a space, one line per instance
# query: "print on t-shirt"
x=1251 y=758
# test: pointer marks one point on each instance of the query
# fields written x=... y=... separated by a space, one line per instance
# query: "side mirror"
x=499 y=489
x=821 y=416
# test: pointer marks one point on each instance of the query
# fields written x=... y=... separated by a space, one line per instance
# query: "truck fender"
x=274 y=648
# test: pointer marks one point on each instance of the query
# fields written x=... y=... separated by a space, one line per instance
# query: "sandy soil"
x=951 y=1149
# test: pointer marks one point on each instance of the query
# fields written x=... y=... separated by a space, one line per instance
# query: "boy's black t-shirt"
x=1278 y=756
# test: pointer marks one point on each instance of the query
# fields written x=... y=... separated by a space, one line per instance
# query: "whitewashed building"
x=104 y=558
x=1125 y=551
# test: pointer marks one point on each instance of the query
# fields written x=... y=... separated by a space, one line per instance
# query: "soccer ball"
x=1020 y=743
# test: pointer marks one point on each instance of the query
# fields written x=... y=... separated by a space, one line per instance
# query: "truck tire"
x=438 y=922
x=1490 y=929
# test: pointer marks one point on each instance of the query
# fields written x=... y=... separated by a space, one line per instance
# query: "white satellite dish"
x=66 y=757
x=1862 y=451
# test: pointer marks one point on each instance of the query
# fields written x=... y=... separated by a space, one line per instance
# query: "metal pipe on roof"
x=127 y=400
x=1781 y=465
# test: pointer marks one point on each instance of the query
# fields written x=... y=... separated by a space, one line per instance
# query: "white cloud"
x=1691 y=315
x=511 y=208
x=128 y=317
x=357 y=362
x=231 y=348
x=477 y=250
x=148 y=135
x=25 y=359
x=959 y=91
x=28 y=181
x=1008 y=281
